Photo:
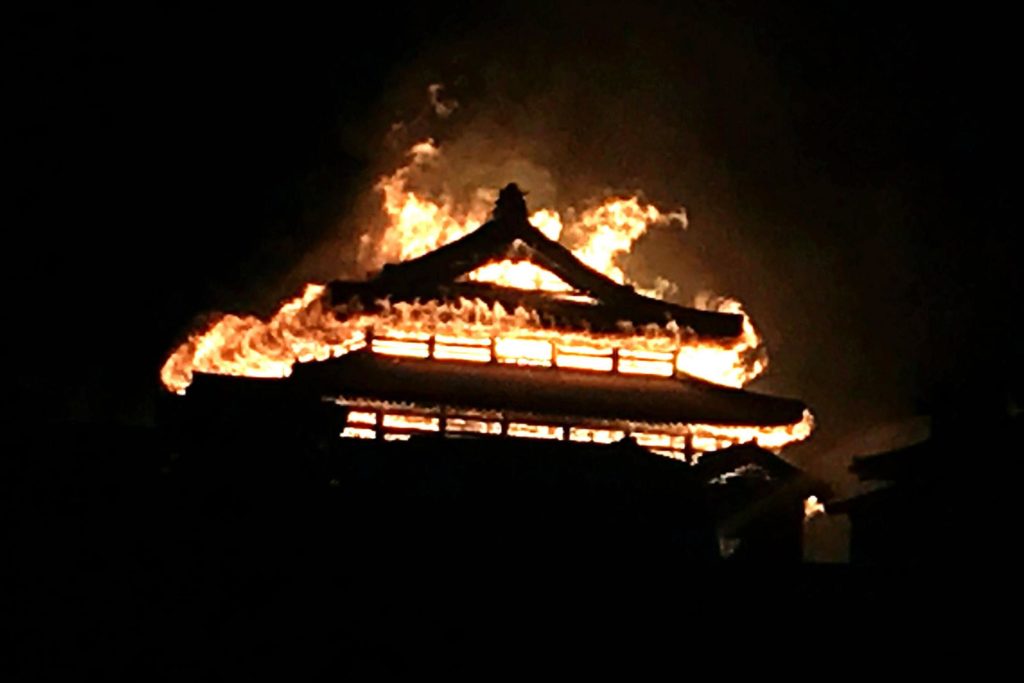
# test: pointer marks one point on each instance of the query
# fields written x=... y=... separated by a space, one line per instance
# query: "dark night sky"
x=846 y=167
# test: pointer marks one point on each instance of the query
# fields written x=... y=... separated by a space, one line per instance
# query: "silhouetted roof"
x=894 y=465
x=717 y=463
x=434 y=276
x=545 y=391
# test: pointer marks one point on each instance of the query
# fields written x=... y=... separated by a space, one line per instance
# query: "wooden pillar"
x=688 y=448
x=369 y=338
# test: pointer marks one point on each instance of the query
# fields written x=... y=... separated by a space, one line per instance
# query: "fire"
x=736 y=365
x=610 y=230
x=519 y=274
x=679 y=441
x=306 y=328
x=418 y=225
x=813 y=507
x=303 y=329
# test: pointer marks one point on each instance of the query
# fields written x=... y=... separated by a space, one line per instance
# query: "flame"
x=306 y=328
x=813 y=507
x=418 y=225
x=742 y=360
x=680 y=441
x=303 y=328
x=602 y=234
x=519 y=274
x=610 y=230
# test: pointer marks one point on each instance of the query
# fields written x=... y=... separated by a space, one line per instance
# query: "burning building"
x=505 y=332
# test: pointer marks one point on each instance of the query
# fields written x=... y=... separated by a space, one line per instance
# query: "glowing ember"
x=813 y=507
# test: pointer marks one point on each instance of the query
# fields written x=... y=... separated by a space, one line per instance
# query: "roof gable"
x=509 y=235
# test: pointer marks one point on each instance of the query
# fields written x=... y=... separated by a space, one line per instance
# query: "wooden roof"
x=543 y=391
x=509 y=235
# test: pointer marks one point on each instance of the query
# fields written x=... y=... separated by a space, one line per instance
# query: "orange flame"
x=610 y=230
x=306 y=329
x=302 y=330
x=813 y=507
x=679 y=441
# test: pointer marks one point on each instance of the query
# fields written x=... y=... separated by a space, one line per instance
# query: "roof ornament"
x=511 y=205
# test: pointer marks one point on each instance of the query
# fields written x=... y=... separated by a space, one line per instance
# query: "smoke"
x=804 y=195
x=443 y=108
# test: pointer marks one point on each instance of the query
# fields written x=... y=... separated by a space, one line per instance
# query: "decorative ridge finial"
x=511 y=205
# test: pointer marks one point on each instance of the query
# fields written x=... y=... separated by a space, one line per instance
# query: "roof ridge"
x=496 y=239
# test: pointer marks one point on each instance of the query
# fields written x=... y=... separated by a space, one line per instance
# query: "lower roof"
x=550 y=391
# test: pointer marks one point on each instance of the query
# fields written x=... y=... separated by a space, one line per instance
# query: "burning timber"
x=503 y=333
